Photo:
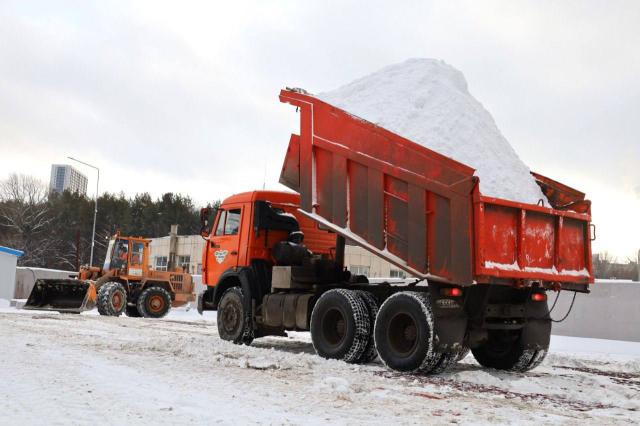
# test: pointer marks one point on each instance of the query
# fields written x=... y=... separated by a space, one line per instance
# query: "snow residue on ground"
x=83 y=369
x=427 y=101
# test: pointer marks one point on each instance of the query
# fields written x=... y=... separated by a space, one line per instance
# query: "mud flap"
x=450 y=321
x=62 y=295
x=449 y=333
x=536 y=334
x=200 y=303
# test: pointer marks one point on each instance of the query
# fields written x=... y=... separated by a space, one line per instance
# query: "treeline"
x=606 y=266
x=54 y=230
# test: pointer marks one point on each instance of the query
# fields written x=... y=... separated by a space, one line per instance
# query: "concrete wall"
x=610 y=311
x=7 y=275
x=26 y=277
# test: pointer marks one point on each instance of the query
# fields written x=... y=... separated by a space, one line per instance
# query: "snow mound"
x=427 y=101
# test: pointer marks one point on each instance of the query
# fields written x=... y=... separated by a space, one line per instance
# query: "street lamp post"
x=95 y=209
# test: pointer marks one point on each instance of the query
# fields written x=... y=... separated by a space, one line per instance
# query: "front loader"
x=124 y=284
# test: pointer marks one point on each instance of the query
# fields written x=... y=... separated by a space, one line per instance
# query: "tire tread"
x=103 y=299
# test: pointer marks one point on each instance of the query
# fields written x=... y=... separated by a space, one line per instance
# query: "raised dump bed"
x=272 y=261
x=425 y=212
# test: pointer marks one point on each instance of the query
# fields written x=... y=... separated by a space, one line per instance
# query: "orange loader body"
x=126 y=270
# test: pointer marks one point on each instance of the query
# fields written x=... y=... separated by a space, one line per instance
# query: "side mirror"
x=207 y=217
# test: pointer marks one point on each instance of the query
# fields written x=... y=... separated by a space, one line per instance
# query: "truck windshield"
x=107 y=259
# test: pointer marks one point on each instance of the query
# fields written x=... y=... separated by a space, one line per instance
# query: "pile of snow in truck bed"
x=427 y=101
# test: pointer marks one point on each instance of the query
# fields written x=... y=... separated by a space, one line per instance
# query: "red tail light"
x=539 y=297
x=451 y=292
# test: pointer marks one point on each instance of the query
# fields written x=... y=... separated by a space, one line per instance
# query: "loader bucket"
x=62 y=295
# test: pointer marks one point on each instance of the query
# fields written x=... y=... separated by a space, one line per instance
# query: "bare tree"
x=602 y=264
x=23 y=188
x=25 y=218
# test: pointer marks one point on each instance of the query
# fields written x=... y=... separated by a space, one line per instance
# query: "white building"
x=361 y=262
x=8 y=260
x=67 y=178
x=188 y=255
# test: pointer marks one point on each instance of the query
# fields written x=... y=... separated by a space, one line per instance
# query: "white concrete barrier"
x=8 y=259
x=610 y=311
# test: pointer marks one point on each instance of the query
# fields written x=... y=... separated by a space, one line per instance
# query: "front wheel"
x=234 y=323
x=504 y=350
x=111 y=299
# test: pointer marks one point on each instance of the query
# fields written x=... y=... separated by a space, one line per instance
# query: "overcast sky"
x=182 y=96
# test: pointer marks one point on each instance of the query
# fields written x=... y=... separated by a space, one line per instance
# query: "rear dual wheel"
x=372 y=305
x=503 y=350
x=348 y=325
x=404 y=335
x=341 y=326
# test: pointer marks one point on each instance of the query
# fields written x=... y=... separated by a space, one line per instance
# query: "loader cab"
x=127 y=256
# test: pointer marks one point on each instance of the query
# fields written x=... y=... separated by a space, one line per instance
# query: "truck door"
x=224 y=243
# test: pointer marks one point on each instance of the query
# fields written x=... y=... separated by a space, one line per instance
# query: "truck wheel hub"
x=402 y=333
x=156 y=303
x=334 y=327
x=116 y=300
x=230 y=317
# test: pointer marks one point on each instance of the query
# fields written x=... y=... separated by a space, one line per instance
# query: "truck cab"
x=241 y=237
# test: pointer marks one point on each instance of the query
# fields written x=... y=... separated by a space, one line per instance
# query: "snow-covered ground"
x=86 y=369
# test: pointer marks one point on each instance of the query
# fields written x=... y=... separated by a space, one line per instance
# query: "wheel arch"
x=158 y=283
x=227 y=280
x=120 y=280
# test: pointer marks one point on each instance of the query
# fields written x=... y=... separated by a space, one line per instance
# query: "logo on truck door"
x=220 y=255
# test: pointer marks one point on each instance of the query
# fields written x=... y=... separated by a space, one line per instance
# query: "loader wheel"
x=112 y=299
x=234 y=324
x=132 y=311
x=504 y=351
x=370 y=301
x=404 y=334
x=154 y=302
x=340 y=325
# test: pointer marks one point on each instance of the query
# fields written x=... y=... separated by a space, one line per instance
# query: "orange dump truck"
x=483 y=266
